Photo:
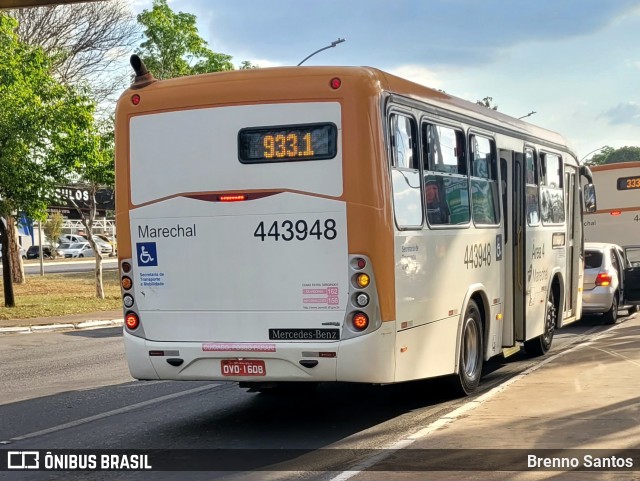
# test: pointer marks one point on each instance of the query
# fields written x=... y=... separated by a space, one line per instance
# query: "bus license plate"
x=234 y=367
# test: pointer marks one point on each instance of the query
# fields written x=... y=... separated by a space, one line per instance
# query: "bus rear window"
x=287 y=143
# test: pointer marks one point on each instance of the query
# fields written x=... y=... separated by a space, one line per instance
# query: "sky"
x=575 y=63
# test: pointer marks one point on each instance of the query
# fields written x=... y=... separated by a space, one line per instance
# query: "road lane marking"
x=466 y=407
x=115 y=412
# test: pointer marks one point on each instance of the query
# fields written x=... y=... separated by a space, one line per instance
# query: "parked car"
x=603 y=280
x=105 y=246
x=33 y=252
x=109 y=240
x=75 y=249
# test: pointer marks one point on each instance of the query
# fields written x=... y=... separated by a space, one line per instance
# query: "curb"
x=62 y=327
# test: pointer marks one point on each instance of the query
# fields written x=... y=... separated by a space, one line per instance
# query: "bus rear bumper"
x=363 y=359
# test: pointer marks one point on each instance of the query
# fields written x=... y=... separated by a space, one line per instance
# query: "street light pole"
x=528 y=115
x=595 y=150
x=333 y=44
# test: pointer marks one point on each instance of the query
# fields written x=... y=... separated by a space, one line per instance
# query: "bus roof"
x=617 y=165
x=379 y=81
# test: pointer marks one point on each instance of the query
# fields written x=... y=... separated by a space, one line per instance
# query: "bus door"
x=573 y=240
x=631 y=292
x=518 y=243
x=512 y=172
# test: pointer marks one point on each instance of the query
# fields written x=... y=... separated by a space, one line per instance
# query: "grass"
x=61 y=294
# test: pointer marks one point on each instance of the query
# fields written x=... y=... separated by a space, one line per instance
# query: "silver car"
x=603 y=289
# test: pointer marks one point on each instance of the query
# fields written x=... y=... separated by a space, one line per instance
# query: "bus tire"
x=611 y=315
x=471 y=357
x=540 y=345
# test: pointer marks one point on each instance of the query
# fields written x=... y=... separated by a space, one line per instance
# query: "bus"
x=282 y=227
x=617 y=220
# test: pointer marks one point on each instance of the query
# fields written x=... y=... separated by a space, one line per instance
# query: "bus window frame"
x=494 y=168
x=459 y=128
x=538 y=175
x=397 y=109
x=543 y=183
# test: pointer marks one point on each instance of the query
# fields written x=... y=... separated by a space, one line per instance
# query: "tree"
x=81 y=40
x=609 y=155
x=247 y=65
x=53 y=229
x=173 y=47
x=39 y=119
x=486 y=102
x=94 y=169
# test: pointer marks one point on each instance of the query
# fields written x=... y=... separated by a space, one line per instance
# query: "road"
x=73 y=390
x=60 y=267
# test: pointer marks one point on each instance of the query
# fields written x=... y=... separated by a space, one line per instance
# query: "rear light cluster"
x=603 y=279
x=362 y=309
x=131 y=318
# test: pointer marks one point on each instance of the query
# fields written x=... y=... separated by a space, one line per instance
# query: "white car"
x=76 y=249
x=608 y=280
x=105 y=247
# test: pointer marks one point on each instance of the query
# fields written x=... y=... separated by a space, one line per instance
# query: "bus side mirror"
x=589 y=194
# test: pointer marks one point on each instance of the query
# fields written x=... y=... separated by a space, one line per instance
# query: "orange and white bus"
x=617 y=220
x=288 y=225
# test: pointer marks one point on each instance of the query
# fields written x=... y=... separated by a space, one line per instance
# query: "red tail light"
x=603 y=279
x=360 y=321
x=616 y=212
x=131 y=320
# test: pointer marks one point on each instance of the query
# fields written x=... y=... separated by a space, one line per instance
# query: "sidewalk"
x=69 y=322
x=586 y=398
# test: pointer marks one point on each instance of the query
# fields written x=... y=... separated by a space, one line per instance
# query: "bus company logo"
x=23 y=460
x=147 y=254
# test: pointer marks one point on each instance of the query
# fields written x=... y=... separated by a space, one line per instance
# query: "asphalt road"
x=72 y=390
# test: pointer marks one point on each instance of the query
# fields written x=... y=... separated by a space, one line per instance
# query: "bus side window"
x=552 y=197
x=484 y=180
x=532 y=193
x=404 y=142
x=405 y=173
x=445 y=178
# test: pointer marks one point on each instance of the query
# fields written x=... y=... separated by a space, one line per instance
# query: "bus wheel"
x=612 y=314
x=541 y=344
x=471 y=353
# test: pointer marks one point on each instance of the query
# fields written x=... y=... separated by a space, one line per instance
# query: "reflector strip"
x=239 y=346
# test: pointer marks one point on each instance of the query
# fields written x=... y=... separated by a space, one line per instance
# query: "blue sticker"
x=147 y=254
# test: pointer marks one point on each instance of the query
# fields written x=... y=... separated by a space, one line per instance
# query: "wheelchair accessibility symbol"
x=147 y=254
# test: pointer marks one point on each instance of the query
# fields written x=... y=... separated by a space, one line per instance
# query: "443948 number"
x=477 y=255
x=289 y=230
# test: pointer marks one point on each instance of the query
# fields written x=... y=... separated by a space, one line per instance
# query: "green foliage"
x=173 y=47
x=53 y=228
x=247 y=65
x=609 y=155
x=486 y=102
x=40 y=123
x=94 y=155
